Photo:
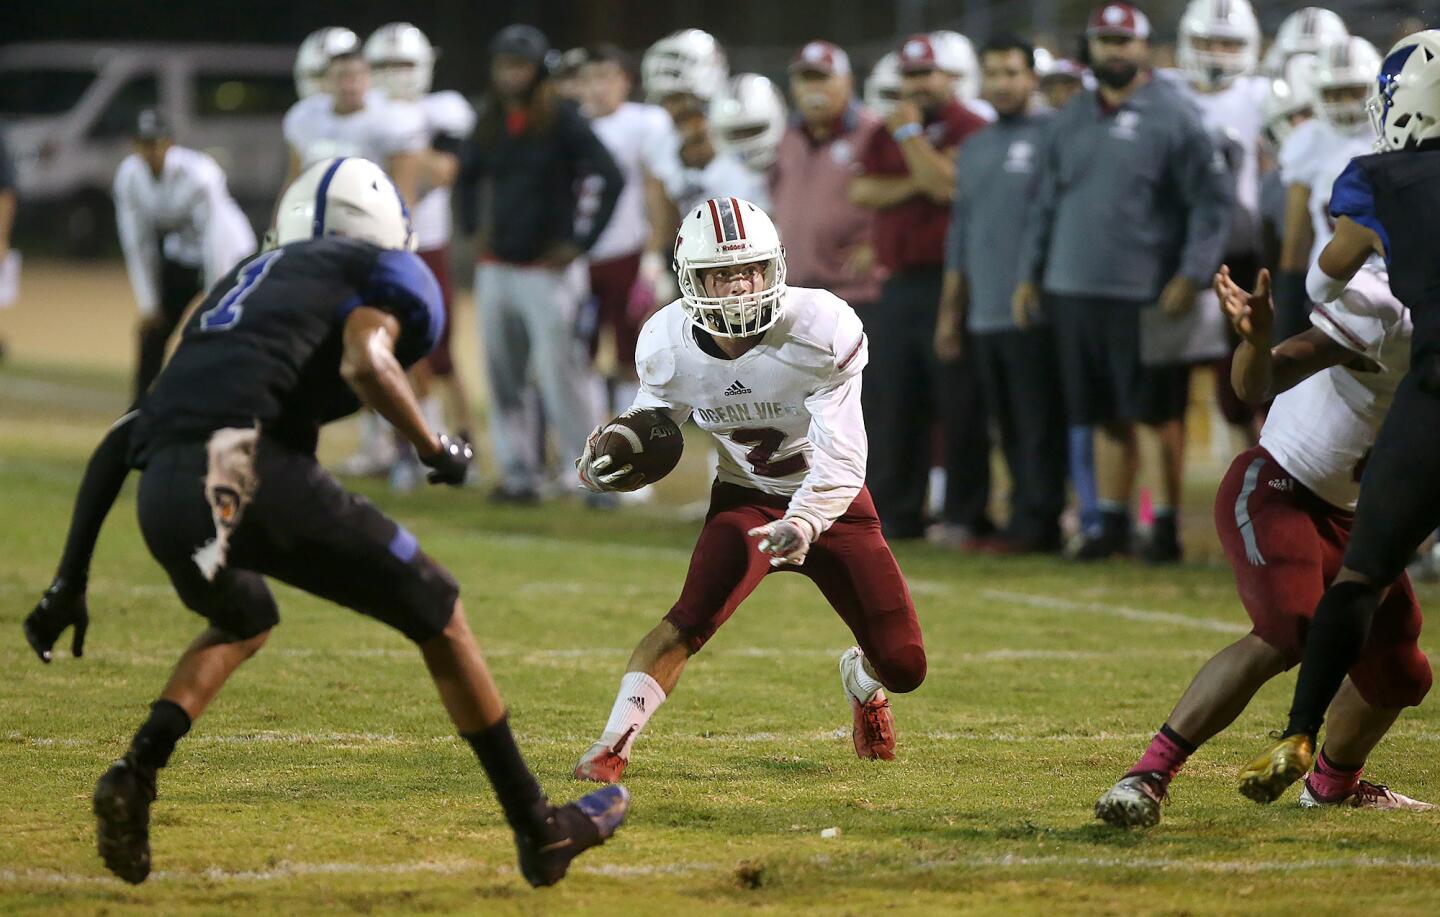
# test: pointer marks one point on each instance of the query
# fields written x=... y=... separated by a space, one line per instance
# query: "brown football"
x=645 y=438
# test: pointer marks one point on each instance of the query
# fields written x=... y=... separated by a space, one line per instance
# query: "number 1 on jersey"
x=226 y=313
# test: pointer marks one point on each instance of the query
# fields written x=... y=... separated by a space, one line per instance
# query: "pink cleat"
x=1366 y=796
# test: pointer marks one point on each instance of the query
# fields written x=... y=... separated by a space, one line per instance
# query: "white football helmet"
x=689 y=61
x=403 y=60
x=347 y=196
x=1226 y=20
x=313 y=58
x=748 y=118
x=1292 y=95
x=727 y=231
x=1304 y=31
x=955 y=55
x=1405 y=111
x=882 y=86
x=1347 y=64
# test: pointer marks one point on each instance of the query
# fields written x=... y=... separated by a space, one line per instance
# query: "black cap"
x=522 y=41
x=151 y=125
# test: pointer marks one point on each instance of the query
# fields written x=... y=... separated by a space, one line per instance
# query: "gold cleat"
x=1266 y=777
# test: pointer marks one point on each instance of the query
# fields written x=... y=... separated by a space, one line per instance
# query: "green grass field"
x=326 y=777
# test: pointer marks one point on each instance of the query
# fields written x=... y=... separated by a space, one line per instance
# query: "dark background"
x=759 y=34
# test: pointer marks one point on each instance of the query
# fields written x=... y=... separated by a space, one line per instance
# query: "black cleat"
x=569 y=831
x=122 y=811
x=1163 y=546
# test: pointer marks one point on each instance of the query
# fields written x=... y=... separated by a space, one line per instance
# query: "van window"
x=219 y=95
x=118 y=118
x=42 y=92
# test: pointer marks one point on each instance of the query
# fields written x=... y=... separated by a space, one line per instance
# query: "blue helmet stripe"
x=322 y=191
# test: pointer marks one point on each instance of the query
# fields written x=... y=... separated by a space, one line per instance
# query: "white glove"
x=787 y=541
x=595 y=474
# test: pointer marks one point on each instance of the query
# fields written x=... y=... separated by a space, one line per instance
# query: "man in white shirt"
x=180 y=229
x=773 y=374
x=629 y=258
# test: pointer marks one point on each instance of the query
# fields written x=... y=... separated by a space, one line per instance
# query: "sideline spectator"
x=907 y=175
x=827 y=237
x=1133 y=210
x=181 y=232
x=518 y=191
x=997 y=175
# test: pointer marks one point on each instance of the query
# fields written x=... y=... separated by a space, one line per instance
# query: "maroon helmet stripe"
x=739 y=220
x=715 y=217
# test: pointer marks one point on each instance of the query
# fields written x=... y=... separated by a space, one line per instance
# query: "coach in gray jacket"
x=1133 y=210
x=997 y=171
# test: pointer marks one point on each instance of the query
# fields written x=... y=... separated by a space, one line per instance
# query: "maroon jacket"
x=911 y=234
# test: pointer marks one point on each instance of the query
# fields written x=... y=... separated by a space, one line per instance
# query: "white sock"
x=866 y=685
x=640 y=696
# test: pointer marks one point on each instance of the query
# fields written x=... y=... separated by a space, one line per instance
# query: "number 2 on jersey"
x=765 y=440
x=226 y=313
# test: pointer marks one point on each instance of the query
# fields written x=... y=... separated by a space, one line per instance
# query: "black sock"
x=156 y=739
x=1115 y=523
x=520 y=796
x=1185 y=744
x=1339 y=631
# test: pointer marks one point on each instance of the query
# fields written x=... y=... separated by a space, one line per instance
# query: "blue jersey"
x=265 y=345
x=1397 y=194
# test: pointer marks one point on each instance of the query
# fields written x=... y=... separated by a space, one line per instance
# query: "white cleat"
x=1366 y=796
x=1133 y=802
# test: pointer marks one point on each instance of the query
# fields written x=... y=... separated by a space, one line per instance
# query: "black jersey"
x=265 y=345
x=1397 y=194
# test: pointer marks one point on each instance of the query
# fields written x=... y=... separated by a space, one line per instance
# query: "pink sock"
x=1332 y=783
x=1165 y=755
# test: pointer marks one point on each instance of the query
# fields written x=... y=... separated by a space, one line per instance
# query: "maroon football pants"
x=850 y=563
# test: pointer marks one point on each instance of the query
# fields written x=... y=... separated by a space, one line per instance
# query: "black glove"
x=61 y=606
x=448 y=466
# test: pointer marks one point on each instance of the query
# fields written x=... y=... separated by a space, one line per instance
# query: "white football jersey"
x=785 y=415
x=376 y=132
x=724 y=176
x=1321 y=430
x=446 y=113
x=641 y=139
x=1235 y=117
x=1314 y=155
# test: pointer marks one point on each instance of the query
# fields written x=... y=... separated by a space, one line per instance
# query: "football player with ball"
x=773 y=374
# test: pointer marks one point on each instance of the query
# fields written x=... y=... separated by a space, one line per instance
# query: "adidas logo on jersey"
x=736 y=388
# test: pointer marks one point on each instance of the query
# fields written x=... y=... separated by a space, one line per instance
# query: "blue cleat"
x=569 y=831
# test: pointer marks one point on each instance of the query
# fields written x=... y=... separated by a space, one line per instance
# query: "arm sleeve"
x=648 y=397
x=104 y=475
x=959 y=212
x=594 y=159
x=402 y=284
x=141 y=246
x=1353 y=196
x=1361 y=316
x=838 y=446
x=1208 y=194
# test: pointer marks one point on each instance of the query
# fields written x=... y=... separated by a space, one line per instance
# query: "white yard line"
x=1055 y=603
x=288 y=871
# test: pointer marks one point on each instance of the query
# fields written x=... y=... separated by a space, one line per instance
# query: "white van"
x=69 y=108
